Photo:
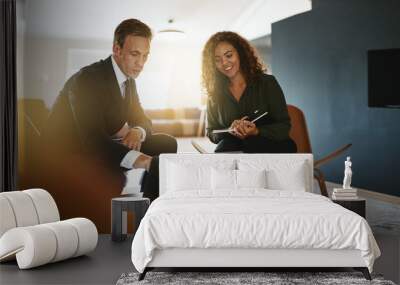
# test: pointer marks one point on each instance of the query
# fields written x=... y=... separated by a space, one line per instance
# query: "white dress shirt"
x=132 y=155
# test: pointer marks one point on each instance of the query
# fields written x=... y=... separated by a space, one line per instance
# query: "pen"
x=259 y=117
x=228 y=130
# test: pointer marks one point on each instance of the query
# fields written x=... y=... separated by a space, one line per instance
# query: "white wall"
x=171 y=77
x=57 y=37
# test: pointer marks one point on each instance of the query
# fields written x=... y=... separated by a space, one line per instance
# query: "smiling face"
x=132 y=56
x=227 y=59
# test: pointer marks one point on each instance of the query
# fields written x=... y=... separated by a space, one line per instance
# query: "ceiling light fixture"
x=171 y=33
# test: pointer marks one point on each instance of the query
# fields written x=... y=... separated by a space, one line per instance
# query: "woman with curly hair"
x=239 y=91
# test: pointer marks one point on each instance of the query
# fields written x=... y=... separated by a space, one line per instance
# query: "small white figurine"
x=347 y=174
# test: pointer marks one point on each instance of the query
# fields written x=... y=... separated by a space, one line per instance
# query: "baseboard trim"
x=379 y=196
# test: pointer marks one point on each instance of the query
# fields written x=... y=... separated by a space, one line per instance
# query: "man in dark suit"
x=99 y=116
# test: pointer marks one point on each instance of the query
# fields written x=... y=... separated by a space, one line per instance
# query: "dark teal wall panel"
x=320 y=60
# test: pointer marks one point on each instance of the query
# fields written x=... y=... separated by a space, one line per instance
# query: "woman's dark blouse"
x=263 y=94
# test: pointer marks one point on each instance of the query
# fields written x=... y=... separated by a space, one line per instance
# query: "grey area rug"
x=232 y=278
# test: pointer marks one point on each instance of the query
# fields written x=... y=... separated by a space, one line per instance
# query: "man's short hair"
x=131 y=27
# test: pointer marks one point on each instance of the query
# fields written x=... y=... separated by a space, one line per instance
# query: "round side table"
x=119 y=208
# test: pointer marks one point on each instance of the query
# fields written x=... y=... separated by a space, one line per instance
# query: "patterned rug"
x=243 y=278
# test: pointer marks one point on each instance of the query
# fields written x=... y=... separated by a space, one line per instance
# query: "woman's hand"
x=243 y=128
x=237 y=128
x=251 y=129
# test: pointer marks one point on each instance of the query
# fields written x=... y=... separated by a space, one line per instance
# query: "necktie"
x=129 y=85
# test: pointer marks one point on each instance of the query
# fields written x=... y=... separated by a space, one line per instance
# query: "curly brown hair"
x=251 y=64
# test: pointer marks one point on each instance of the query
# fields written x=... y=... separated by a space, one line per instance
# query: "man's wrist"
x=143 y=161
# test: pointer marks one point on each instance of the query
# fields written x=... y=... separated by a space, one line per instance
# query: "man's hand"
x=132 y=139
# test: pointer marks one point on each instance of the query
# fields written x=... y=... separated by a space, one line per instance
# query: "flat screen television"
x=384 y=78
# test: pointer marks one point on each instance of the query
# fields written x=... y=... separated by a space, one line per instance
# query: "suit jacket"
x=89 y=110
